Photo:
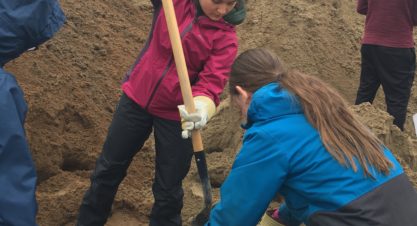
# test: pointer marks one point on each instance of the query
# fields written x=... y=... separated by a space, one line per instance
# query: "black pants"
x=394 y=69
x=130 y=128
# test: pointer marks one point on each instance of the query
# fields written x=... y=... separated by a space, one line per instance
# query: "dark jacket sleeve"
x=25 y=24
x=362 y=7
x=17 y=172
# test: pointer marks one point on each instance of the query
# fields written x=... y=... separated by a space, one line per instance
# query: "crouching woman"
x=302 y=142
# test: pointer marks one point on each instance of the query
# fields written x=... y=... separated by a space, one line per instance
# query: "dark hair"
x=254 y=69
x=343 y=135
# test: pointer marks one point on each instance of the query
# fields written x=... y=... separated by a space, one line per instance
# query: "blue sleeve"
x=286 y=216
x=17 y=172
x=256 y=176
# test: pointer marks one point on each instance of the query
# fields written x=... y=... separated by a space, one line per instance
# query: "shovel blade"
x=201 y=217
x=201 y=163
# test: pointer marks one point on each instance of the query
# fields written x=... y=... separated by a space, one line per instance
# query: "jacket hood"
x=26 y=24
x=234 y=17
x=272 y=101
x=238 y=14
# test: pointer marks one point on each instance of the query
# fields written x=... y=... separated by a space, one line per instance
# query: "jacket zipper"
x=186 y=30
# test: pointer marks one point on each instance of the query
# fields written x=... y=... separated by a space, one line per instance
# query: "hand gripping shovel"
x=199 y=155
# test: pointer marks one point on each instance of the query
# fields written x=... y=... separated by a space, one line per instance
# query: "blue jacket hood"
x=26 y=24
x=272 y=101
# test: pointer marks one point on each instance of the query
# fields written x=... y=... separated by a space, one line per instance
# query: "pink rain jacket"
x=209 y=47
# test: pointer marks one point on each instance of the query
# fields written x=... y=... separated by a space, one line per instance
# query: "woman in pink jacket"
x=150 y=100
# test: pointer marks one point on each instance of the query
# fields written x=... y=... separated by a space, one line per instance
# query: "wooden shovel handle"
x=174 y=36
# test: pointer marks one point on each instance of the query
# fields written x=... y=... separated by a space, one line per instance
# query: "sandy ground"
x=72 y=84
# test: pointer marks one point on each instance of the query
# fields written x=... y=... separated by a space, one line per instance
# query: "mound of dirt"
x=380 y=122
x=72 y=84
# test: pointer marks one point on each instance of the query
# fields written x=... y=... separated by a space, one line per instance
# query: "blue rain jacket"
x=283 y=154
x=23 y=24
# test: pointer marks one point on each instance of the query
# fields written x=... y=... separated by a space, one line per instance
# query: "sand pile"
x=380 y=122
x=72 y=84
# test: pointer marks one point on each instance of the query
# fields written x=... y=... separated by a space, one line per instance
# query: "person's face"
x=242 y=102
x=216 y=9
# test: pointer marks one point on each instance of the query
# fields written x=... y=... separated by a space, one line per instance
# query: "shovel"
x=184 y=80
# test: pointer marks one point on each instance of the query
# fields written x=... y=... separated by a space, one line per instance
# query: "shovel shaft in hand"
x=174 y=36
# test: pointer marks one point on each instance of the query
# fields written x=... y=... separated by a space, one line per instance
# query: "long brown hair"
x=343 y=135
